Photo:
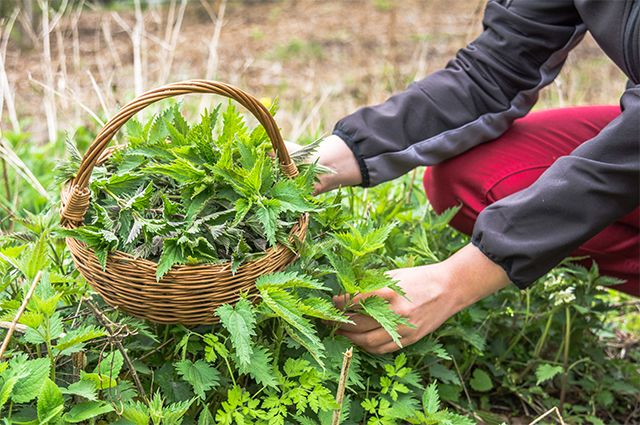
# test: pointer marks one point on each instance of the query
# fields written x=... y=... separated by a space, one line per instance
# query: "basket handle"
x=76 y=196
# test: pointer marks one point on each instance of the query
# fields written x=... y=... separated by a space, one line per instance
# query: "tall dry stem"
x=49 y=103
x=6 y=94
x=172 y=41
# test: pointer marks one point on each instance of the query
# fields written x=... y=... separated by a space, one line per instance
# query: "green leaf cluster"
x=210 y=192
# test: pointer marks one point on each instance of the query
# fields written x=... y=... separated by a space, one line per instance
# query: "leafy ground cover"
x=277 y=360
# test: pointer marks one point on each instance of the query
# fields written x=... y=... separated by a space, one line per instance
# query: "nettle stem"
x=565 y=363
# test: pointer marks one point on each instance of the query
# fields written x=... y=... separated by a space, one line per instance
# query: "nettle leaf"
x=380 y=310
x=73 y=341
x=119 y=184
x=291 y=197
x=110 y=365
x=200 y=375
x=363 y=241
x=87 y=410
x=260 y=367
x=546 y=372
x=431 y=399
x=267 y=215
x=287 y=280
x=85 y=389
x=172 y=254
x=6 y=390
x=50 y=403
x=101 y=382
x=180 y=170
x=323 y=309
x=28 y=387
x=444 y=374
x=481 y=381
x=240 y=322
x=289 y=309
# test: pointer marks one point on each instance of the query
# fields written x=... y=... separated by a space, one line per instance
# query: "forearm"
x=471 y=276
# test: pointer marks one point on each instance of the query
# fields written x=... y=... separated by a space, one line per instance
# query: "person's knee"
x=448 y=188
x=439 y=185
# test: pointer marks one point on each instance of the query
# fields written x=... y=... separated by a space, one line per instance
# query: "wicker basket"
x=187 y=294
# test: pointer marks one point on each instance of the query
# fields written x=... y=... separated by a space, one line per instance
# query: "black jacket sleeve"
x=531 y=231
x=489 y=84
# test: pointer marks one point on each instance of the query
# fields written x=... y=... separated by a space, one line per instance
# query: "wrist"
x=471 y=276
x=336 y=155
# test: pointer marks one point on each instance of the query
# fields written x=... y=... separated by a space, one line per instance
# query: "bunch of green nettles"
x=184 y=194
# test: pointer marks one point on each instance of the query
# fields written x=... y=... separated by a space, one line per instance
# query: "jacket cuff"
x=364 y=171
x=476 y=240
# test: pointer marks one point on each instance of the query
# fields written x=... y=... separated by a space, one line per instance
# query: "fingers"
x=361 y=323
x=368 y=340
x=389 y=347
x=378 y=341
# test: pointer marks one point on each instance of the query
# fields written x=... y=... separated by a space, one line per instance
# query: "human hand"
x=333 y=153
x=426 y=305
x=433 y=294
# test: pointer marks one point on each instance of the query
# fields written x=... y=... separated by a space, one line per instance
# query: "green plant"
x=178 y=195
x=274 y=358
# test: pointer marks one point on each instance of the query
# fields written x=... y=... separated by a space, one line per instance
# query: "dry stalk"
x=299 y=129
x=26 y=20
x=136 y=41
x=111 y=46
x=172 y=41
x=547 y=413
x=75 y=34
x=72 y=98
x=342 y=385
x=47 y=70
x=115 y=339
x=98 y=92
x=18 y=327
x=23 y=306
x=212 y=61
x=62 y=59
x=5 y=89
x=21 y=169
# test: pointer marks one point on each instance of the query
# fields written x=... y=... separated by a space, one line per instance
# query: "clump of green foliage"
x=182 y=194
x=275 y=359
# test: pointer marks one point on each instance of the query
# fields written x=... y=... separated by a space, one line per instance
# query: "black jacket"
x=489 y=84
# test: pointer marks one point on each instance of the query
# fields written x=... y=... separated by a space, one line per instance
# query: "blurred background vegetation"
x=71 y=63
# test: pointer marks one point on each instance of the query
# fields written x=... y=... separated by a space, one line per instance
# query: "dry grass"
x=323 y=59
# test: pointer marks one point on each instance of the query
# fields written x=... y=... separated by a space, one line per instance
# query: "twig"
x=158 y=348
x=342 y=384
x=547 y=413
x=109 y=326
x=23 y=306
x=18 y=327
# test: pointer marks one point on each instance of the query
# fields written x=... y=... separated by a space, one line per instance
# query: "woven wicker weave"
x=187 y=294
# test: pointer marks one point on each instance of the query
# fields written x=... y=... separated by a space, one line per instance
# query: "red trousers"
x=494 y=170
